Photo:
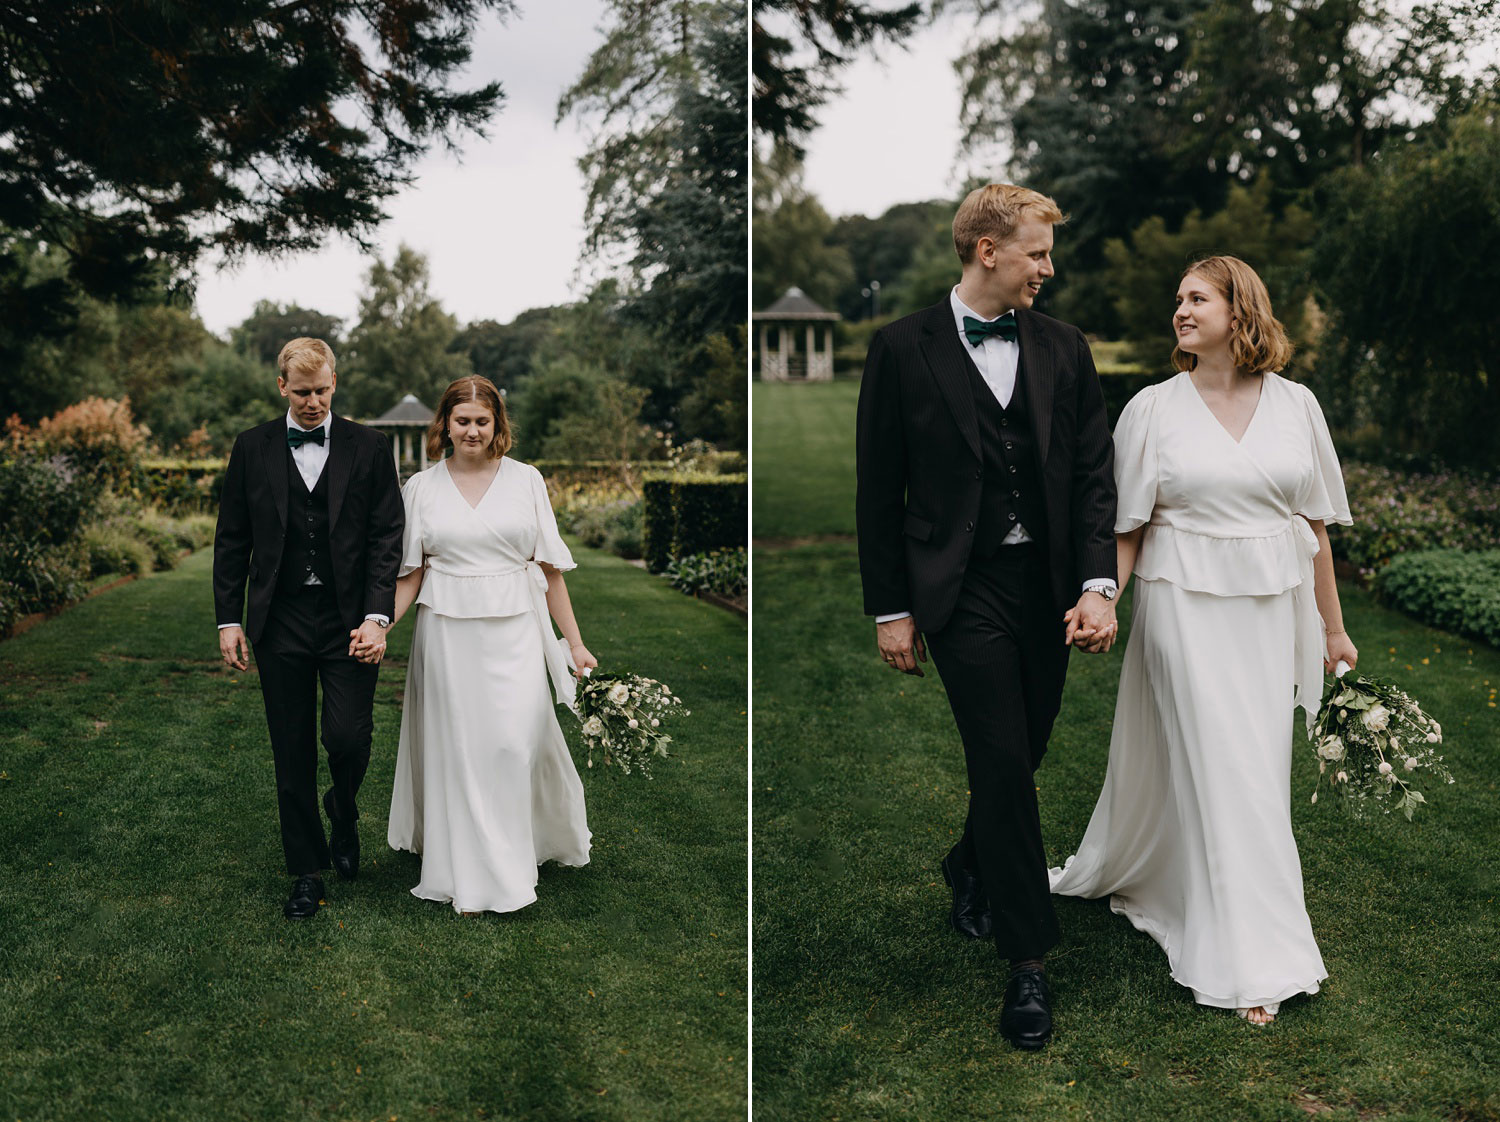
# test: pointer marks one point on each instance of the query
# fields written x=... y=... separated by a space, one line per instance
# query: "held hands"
x=582 y=659
x=1340 y=647
x=901 y=646
x=367 y=642
x=233 y=648
x=1091 y=624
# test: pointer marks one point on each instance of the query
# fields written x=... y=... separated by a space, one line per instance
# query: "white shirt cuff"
x=384 y=621
x=222 y=626
x=891 y=617
x=1100 y=583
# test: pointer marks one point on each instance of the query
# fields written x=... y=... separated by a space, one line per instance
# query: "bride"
x=1226 y=477
x=485 y=789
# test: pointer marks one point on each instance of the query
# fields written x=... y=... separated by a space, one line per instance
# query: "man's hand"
x=900 y=645
x=367 y=642
x=233 y=648
x=1091 y=624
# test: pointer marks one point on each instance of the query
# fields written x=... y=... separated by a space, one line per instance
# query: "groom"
x=985 y=513
x=311 y=517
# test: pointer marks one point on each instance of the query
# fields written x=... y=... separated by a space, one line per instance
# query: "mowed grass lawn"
x=867 y=1006
x=146 y=971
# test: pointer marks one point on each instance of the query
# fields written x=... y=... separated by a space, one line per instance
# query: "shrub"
x=721 y=571
x=114 y=549
x=98 y=435
x=42 y=565
x=688 y=514
x=1403 y=512
x=160 y=536
x=1447 y=588
x=181 y=486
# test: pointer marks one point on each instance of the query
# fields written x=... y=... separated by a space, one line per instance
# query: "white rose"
x=1332 y=749
x=1385 y=767
x=1376 y=718
x=619 y=693
x=593 y=726
x=1411 y=763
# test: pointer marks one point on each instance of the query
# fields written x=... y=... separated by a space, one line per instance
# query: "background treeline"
x=1348 y=149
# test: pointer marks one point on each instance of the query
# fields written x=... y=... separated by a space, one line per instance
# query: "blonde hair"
x=476 y=389
x=306 y=355
x=1259 y=342
x=994 y=211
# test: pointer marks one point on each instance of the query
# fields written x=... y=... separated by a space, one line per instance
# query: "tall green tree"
x=271 y=325
x=1408 y=263
x=400 y=343
x=884 y=248
x=791 y=239
x=138 y=134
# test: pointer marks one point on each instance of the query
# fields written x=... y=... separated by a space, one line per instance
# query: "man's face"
x=310 y=395
x=1018 y=267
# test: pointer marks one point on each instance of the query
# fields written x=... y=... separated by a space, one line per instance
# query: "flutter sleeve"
x=1326 y=499
x=1135 y=461
x=411 y=538
x=550 y=547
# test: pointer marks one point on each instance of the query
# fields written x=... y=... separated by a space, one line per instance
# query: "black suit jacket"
x=920 y=463
x=365 y=523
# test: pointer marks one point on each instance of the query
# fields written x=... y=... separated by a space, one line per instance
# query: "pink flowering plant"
x=1373 y=742
x=625 y=718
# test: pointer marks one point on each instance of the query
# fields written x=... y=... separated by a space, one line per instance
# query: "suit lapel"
x=947 y=361
x=1038 y=367
x=340 y=462
x=274 y=452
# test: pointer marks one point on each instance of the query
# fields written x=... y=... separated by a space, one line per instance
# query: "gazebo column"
x=765 y=352
x=828 y=353
x=812 y=352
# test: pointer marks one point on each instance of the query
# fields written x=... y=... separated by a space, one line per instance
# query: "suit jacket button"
x=1012 y=517
x=969 y=527
x=979 y=473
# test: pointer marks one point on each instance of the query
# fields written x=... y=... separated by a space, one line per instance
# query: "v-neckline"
x=460 y=491
x=1236 y=441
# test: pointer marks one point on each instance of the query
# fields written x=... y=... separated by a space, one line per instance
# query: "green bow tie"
x=976 y=331
x=296 y=438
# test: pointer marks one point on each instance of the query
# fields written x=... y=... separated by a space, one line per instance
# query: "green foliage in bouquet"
x=1371 y=740
x=625 y=717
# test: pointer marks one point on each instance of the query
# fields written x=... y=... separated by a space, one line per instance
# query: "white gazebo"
x=778 y=327
x=407 y=423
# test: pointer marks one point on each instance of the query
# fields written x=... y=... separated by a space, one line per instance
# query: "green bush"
x=722 y=571
x=1447 y=588
x=1397 y=513
x=42 y=565
x=687 y=514
x=112 y=548
x=181 y=486
x=615 y=526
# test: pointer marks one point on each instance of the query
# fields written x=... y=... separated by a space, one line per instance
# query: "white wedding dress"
x=485 y=788
x=1192 y=835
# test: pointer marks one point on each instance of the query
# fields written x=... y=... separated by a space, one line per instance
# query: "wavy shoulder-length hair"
x=480 y=391
x=1259 y=342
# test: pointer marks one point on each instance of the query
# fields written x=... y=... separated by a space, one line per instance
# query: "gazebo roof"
x=407 y=411
x=796 y=305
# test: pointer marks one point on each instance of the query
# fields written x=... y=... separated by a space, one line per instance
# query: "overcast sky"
x=501 y=224
x=892 y=137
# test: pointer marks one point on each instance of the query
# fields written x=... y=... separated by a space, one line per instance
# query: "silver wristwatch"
x=1107 y=591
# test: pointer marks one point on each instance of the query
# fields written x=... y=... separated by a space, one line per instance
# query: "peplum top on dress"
x=481 y=560
x=1227 y=517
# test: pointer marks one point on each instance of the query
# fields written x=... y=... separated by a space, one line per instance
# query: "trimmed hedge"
x=181 y=486
x=687 y=514
x=1448 y=588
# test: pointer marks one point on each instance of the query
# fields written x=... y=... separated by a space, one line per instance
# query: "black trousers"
x=1002 y=660
x=305 y=642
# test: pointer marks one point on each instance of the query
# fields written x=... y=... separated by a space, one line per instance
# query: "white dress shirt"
x=997 y=360
x=311 y=458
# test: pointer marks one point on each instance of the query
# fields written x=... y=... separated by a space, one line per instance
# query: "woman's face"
x=1203 y=321
x=471 y=427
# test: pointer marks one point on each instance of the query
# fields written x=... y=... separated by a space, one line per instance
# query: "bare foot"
x=1257 y=1015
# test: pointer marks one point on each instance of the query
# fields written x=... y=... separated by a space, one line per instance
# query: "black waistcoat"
x=1012 y=492
x=305 y=552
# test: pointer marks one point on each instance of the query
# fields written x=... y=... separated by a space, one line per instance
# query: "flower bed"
x=1402 y=512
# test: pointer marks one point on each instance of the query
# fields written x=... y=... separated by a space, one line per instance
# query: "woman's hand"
x=1340 y=648
x=582 y=659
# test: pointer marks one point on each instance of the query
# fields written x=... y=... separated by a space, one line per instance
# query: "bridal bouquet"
x=1372 y=741
x=625 y=717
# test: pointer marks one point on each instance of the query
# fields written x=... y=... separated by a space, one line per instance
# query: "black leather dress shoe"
x=303 y=902
x=1026 y=1020
x=971 y=911
x=343 y=841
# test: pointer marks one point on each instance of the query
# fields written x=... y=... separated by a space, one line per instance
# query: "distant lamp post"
x=871 y=292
